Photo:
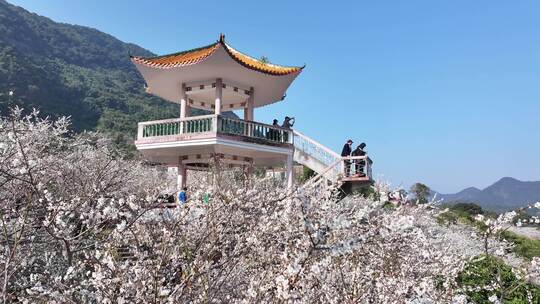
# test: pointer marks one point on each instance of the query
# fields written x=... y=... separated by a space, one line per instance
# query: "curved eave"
x=179 y=59
x=198 y=55
x=255 y=64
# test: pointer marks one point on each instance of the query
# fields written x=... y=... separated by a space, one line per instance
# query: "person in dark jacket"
x=359 y=164
x=272 y=134
x=345 y=152
x=288 y=122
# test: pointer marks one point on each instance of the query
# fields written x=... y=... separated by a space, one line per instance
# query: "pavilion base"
x=218 y=154
x=219 y=163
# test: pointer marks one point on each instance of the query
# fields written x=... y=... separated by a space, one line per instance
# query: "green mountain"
x=504 y=195
x=64 y=69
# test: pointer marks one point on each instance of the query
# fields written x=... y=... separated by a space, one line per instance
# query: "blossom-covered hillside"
x=81 y=224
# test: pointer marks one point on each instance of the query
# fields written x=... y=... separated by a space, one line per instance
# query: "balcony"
x=195 y=141
x=206 y=126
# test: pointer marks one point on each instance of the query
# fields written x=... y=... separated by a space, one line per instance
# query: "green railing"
x=253 y=130
x=214 y=123
x=176 y=126
x=161 y=129
x=198 y=125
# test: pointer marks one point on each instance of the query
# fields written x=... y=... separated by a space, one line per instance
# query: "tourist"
x=346 y=152
x=288 y=122
x=359 y=164
x=182 y=196
x=273 y=134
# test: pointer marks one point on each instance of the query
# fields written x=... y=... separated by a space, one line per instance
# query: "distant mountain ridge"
x=506 y=194
x=77 y=71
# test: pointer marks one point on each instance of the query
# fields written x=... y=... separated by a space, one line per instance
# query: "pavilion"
x=215 y=78
x=218 y=78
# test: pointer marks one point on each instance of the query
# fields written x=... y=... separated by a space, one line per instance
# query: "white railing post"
x=140 y=128
x=215 y=121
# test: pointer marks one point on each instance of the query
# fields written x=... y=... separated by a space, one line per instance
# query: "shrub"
x=421 y=192
x=469 y=208
x=453 y=216
x=367 y=192
x=486 y=276
x=524 y=247
x=307 y=173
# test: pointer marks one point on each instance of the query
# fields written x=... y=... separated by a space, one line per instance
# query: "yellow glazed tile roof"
x=178 y=59
x=197 y=55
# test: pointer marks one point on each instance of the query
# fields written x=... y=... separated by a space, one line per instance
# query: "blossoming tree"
x=81 y=224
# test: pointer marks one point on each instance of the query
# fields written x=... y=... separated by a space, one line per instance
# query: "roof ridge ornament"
x=222 y=38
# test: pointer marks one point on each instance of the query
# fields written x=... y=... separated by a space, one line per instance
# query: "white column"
x=248 y=110
x=184 y=107
x=219 y=96
x=290 y=171
x=182 y=176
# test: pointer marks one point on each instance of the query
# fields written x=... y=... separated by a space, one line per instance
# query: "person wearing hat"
x=346 y=152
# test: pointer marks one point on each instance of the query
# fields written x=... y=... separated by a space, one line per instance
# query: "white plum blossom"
x=82 y=225
x=494 y=299
x=478 y=217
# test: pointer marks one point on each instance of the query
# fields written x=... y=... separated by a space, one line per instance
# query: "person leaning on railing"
x=288 y=123
x=359 y=164
x=274 y=134
x=346 y=152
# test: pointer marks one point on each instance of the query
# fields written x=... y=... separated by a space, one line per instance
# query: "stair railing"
x=364 y=162
x=318 y=178
x=322 y=154
x=335 y=165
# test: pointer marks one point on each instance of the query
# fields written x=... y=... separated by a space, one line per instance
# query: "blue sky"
x=443 y=92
